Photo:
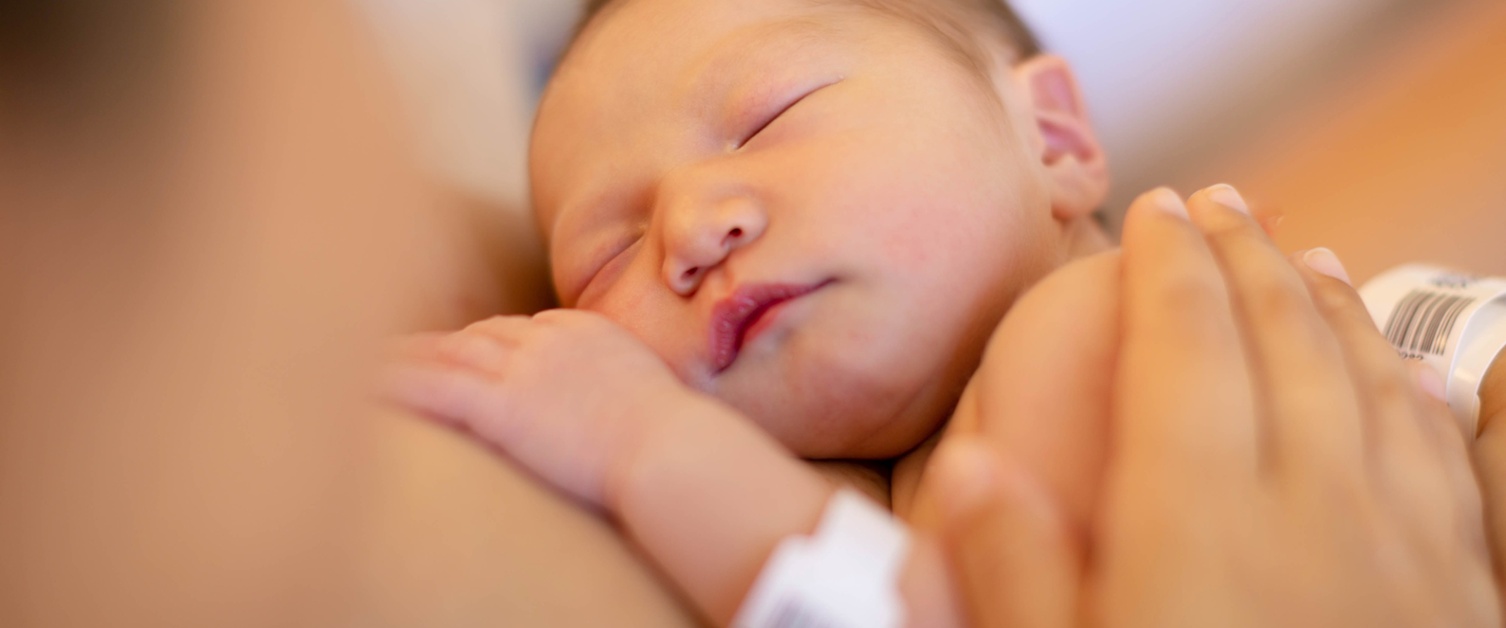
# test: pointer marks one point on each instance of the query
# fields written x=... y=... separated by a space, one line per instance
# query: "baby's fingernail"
x=1229 y=197
x=1430 y=381
x=473 y=352
x=401 y=384
x=1324 y=262
x=421 y=390
x=1168 y=201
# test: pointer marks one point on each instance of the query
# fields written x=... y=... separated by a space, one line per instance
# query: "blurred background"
x=1375 y=127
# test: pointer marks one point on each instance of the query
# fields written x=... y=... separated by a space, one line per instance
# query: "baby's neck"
x=1086 y=237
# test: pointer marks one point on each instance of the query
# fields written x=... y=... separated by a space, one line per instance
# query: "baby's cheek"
x=906 y=251
x=634 y=305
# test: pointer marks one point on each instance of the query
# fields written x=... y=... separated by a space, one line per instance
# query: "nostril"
x=737 y=232
x=691 y=274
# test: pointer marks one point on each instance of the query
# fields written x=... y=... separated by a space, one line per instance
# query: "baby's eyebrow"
x=711 y=83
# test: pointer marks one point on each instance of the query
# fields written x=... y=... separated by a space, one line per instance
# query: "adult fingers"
x=1184 y=400
x=1490 y=461
x=1310 y=412
x=1400 y=429
x=1464 y=486
x=1008 y=543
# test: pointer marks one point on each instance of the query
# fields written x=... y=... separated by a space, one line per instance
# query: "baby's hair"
x=962 y=25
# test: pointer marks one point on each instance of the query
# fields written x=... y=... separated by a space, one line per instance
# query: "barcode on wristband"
x=1422 y=323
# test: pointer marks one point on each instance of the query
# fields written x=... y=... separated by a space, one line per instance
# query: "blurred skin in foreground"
x=203 y=242
x=209 y=220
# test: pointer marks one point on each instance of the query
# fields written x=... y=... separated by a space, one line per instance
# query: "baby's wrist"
x=652 y=417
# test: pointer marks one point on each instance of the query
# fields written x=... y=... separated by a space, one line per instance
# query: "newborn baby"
x=781 y=229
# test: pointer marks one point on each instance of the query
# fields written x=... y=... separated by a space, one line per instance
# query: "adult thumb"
x=1008 y=543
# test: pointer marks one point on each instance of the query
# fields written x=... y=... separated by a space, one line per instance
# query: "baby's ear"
x=1063 y=137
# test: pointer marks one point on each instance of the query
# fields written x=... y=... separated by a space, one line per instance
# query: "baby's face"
x=810 y=211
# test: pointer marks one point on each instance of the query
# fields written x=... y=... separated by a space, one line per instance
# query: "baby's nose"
x=698 y=242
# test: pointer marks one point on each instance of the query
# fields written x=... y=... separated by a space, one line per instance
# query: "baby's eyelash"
x=779 y=114
x=606 y=265
x=770 y=122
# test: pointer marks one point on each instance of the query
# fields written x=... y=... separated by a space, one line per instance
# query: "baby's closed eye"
x=778 y=111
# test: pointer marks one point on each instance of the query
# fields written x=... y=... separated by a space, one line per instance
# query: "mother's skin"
x=207 y=217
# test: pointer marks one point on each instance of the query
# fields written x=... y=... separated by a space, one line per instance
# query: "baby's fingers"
x=454 y=396
x=457 y=379
x=421 y=346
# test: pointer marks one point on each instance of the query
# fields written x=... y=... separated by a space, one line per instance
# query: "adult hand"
x=1490 y=461
x=1272 y=460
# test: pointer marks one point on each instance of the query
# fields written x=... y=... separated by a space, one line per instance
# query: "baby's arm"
x=584 y=406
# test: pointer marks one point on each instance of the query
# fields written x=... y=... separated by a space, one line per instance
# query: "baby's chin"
x=820 y=418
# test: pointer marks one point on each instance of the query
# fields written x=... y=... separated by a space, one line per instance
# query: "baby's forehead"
x=968 y=27
x=644 y=62
x=624 y=80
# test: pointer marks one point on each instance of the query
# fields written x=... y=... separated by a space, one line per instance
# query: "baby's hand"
x=566 y=393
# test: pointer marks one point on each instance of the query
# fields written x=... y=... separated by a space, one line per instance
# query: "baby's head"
x=815 y=210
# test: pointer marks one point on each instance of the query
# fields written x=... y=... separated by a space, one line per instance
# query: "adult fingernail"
x=1430 y=381
x=1229 y=197
x=1324 y=262
x=1168 y=201
x=1272 y=222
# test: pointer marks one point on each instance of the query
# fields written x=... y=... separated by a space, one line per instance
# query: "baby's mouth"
x=741 y=317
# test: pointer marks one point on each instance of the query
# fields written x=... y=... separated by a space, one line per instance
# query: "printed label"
x=1454 y=322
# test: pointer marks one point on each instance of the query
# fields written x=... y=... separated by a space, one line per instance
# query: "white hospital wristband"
x=846 y=575
x=1453 y=322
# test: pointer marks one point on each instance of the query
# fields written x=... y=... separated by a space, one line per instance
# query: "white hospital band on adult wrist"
x=846 y=575
x=1454 y=322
